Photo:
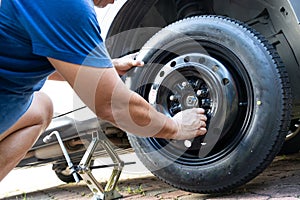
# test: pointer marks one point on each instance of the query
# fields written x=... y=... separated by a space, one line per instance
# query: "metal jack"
x=64 y=150
x=84 y=169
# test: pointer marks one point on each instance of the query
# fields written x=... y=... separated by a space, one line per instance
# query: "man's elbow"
x=105 y=113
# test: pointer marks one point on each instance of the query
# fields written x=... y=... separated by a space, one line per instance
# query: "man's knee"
x=38 y=115
x=42 y=109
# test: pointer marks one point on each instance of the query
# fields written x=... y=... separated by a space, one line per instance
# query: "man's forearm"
x=139 y=118
x=132 y=113
x=103 y=91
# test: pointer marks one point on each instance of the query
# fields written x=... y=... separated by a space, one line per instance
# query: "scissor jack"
x=84 y=169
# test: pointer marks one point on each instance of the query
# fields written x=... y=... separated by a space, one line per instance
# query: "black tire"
x=63 y=173
x=244 y=77
x=67 y=178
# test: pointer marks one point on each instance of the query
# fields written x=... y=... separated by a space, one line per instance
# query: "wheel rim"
x=294 y=129
x=200 y=79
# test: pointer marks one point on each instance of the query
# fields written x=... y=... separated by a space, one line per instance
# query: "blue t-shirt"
x=31 y=31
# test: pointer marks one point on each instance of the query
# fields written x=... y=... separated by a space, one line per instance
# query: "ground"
x=279 y=181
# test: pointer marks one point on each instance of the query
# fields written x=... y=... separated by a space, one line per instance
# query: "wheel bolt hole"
x=173 y=64
x=155 y=86
x=187 y=59
x=225 y=81
x=201 y=60
x=215 y=68
x=162 y=73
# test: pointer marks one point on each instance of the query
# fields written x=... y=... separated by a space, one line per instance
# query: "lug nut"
x=191 y=101
x=174 y=97
x=176 y=109
x=202 y=93
x=206 y=103
x=187 y=143
x=155 y=86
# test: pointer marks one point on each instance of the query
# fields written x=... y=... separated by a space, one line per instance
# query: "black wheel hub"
x=196 y=80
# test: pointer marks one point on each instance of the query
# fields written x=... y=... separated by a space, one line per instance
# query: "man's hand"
x=125 y=63
x=191 y=123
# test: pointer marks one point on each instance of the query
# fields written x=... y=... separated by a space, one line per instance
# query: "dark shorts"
x=12 y=107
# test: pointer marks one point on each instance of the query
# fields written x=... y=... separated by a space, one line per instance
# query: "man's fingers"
x=202 y=124
x=137 y=63
x=203 y=117
x=192 y=123
x=199 y=110
x=132 y=56
x=201 y=131
x=140 y=63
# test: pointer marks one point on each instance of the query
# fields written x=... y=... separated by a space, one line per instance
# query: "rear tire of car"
x=250 y=78
x=292 y=141
x=63 y=172
x=67 y=178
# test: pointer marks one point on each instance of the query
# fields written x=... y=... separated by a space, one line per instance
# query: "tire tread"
x=286 y=93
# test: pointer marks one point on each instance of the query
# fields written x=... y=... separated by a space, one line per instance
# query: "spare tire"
x=230 y=70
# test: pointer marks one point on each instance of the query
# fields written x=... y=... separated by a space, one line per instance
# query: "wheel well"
x=138 y=21
x=136 y=14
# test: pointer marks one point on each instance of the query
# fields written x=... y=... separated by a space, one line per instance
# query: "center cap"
x=191 y=101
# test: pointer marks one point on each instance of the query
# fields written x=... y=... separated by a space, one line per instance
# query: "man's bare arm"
x=102 y=90
x=122 y=65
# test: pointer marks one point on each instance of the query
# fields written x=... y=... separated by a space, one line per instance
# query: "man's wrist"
x=169 y=131
x=175 y=128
